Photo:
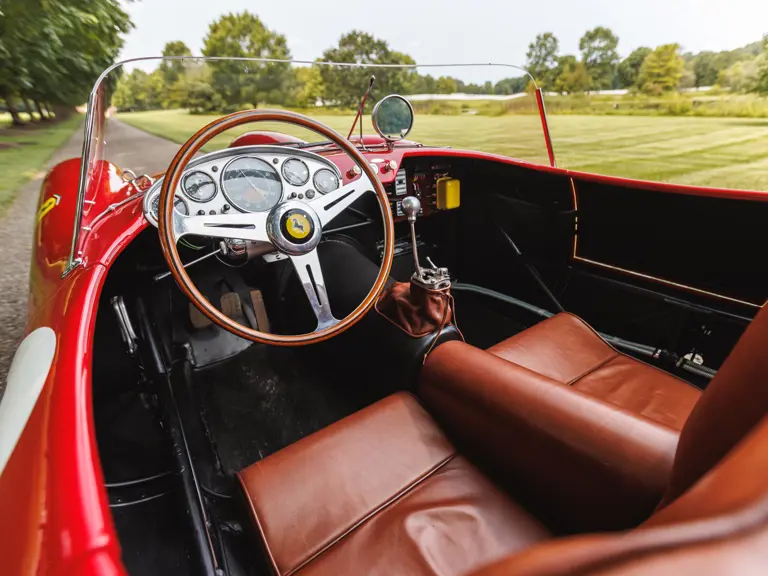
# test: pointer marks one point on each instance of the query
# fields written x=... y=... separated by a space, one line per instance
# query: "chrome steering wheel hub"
x=294 y=228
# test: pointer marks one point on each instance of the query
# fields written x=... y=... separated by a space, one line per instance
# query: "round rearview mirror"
x=393 y=117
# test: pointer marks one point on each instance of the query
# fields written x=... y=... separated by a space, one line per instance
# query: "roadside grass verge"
x=719 y=152
x=24 y=152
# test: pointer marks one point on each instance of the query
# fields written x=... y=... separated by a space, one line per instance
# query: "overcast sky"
x=439 y=31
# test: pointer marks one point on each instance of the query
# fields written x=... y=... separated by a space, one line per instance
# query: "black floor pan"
x=267 y=398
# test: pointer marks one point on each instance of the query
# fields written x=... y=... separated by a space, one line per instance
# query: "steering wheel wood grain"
x=293 y=227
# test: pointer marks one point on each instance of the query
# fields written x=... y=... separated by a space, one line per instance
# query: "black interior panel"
x=708 y=243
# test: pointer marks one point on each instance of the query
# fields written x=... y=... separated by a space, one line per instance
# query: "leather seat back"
x=732 y=405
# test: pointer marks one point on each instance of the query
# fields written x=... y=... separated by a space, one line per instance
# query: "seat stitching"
x=593 y=369
x=386 y=504
x=258 y=525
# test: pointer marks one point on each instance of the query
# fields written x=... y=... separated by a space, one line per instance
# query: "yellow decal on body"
x=47 y=206
x=298 y=226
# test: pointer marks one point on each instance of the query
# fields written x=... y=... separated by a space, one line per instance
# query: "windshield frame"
x=94 y=110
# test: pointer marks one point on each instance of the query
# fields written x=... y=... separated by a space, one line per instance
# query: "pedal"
x=262 y=320
x=231 y=305
x=197 y=318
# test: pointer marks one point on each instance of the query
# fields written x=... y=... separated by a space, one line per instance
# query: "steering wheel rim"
x=168 y=229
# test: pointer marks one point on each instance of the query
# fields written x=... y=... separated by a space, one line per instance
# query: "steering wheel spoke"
x=249 y=226
x=334 y=203
x=311 y=277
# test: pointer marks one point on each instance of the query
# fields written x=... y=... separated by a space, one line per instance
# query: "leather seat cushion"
x=567 y=350
x=382 y=491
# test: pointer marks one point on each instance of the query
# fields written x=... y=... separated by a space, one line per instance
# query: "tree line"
x=226 y=86
x=651 y=71
x=52 y=52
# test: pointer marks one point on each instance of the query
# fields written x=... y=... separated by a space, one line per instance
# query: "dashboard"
x=246 y=179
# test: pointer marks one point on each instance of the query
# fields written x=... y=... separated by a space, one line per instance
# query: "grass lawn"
x=24 y=151
x=722 y=152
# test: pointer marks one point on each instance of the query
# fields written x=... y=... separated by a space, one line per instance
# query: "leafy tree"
x=446 y=85
x=309 y=86
x=629 y=68
x=140 y=91
x=246 y=83
x=511 y=85
x=172 y=70
x=54 y=51
x=541 y=59
x=345 y=86
x=572 y=76
x=598 y=53
x=761 y=72
x=741 y=77
x=662 y=70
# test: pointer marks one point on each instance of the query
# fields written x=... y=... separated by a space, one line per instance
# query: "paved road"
x=128 y=147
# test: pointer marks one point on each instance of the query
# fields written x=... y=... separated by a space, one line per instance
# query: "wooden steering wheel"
x=293 y=227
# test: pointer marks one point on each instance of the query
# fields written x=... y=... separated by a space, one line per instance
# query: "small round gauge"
x=199 y=186
x=325 y=181
x=178 y=204
x=295 y=172
x=251 y=184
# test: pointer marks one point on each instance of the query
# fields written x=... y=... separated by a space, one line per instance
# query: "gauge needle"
x=249 y=181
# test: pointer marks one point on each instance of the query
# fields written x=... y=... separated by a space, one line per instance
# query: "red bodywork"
x=54 y=513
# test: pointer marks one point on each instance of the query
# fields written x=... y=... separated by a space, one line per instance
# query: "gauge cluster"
x=246 y=179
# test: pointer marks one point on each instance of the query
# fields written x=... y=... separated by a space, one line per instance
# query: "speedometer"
x=251 y=184
x=295 y=172
x=325 y=181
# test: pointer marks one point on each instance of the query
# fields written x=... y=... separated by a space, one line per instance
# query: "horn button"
x=294 y=228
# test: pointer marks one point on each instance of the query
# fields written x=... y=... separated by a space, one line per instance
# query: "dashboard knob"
x=389 y=166
x=354 y=171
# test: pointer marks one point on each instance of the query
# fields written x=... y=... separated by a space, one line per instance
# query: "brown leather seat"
x=567 y=350
x=384 y=491
x=561 y=402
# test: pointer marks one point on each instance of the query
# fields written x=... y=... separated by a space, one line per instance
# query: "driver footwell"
x=267 y=398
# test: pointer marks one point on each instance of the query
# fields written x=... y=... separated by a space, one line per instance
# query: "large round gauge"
x=295 y=172
x=251 y=185
x=199 y=186
x=178 y=204
x=325 y=181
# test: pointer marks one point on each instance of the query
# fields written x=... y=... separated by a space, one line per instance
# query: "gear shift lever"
x=411 y=207
x=432 y=278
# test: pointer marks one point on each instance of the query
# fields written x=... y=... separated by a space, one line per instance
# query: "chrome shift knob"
x=411 y=207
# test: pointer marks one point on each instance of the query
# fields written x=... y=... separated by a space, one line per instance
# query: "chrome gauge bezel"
x=314 y=180
x=287 y=178
x=183 y=186
x=150 y=200
x=251 y=157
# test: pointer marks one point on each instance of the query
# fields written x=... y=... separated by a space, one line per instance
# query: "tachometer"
x=251 y=184
x=295 y=172
x=199 y=186
x=325 y=181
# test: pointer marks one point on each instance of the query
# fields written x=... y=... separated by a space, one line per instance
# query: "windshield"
x=485 y=107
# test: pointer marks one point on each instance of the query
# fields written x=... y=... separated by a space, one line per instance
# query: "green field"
x=24 y=151
x=722 y=152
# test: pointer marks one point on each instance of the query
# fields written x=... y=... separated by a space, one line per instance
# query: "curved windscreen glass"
x=142 y=110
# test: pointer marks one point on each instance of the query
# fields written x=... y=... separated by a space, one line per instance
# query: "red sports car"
x=364 y=354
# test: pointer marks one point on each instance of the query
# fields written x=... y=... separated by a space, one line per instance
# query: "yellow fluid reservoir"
x=448 y=193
